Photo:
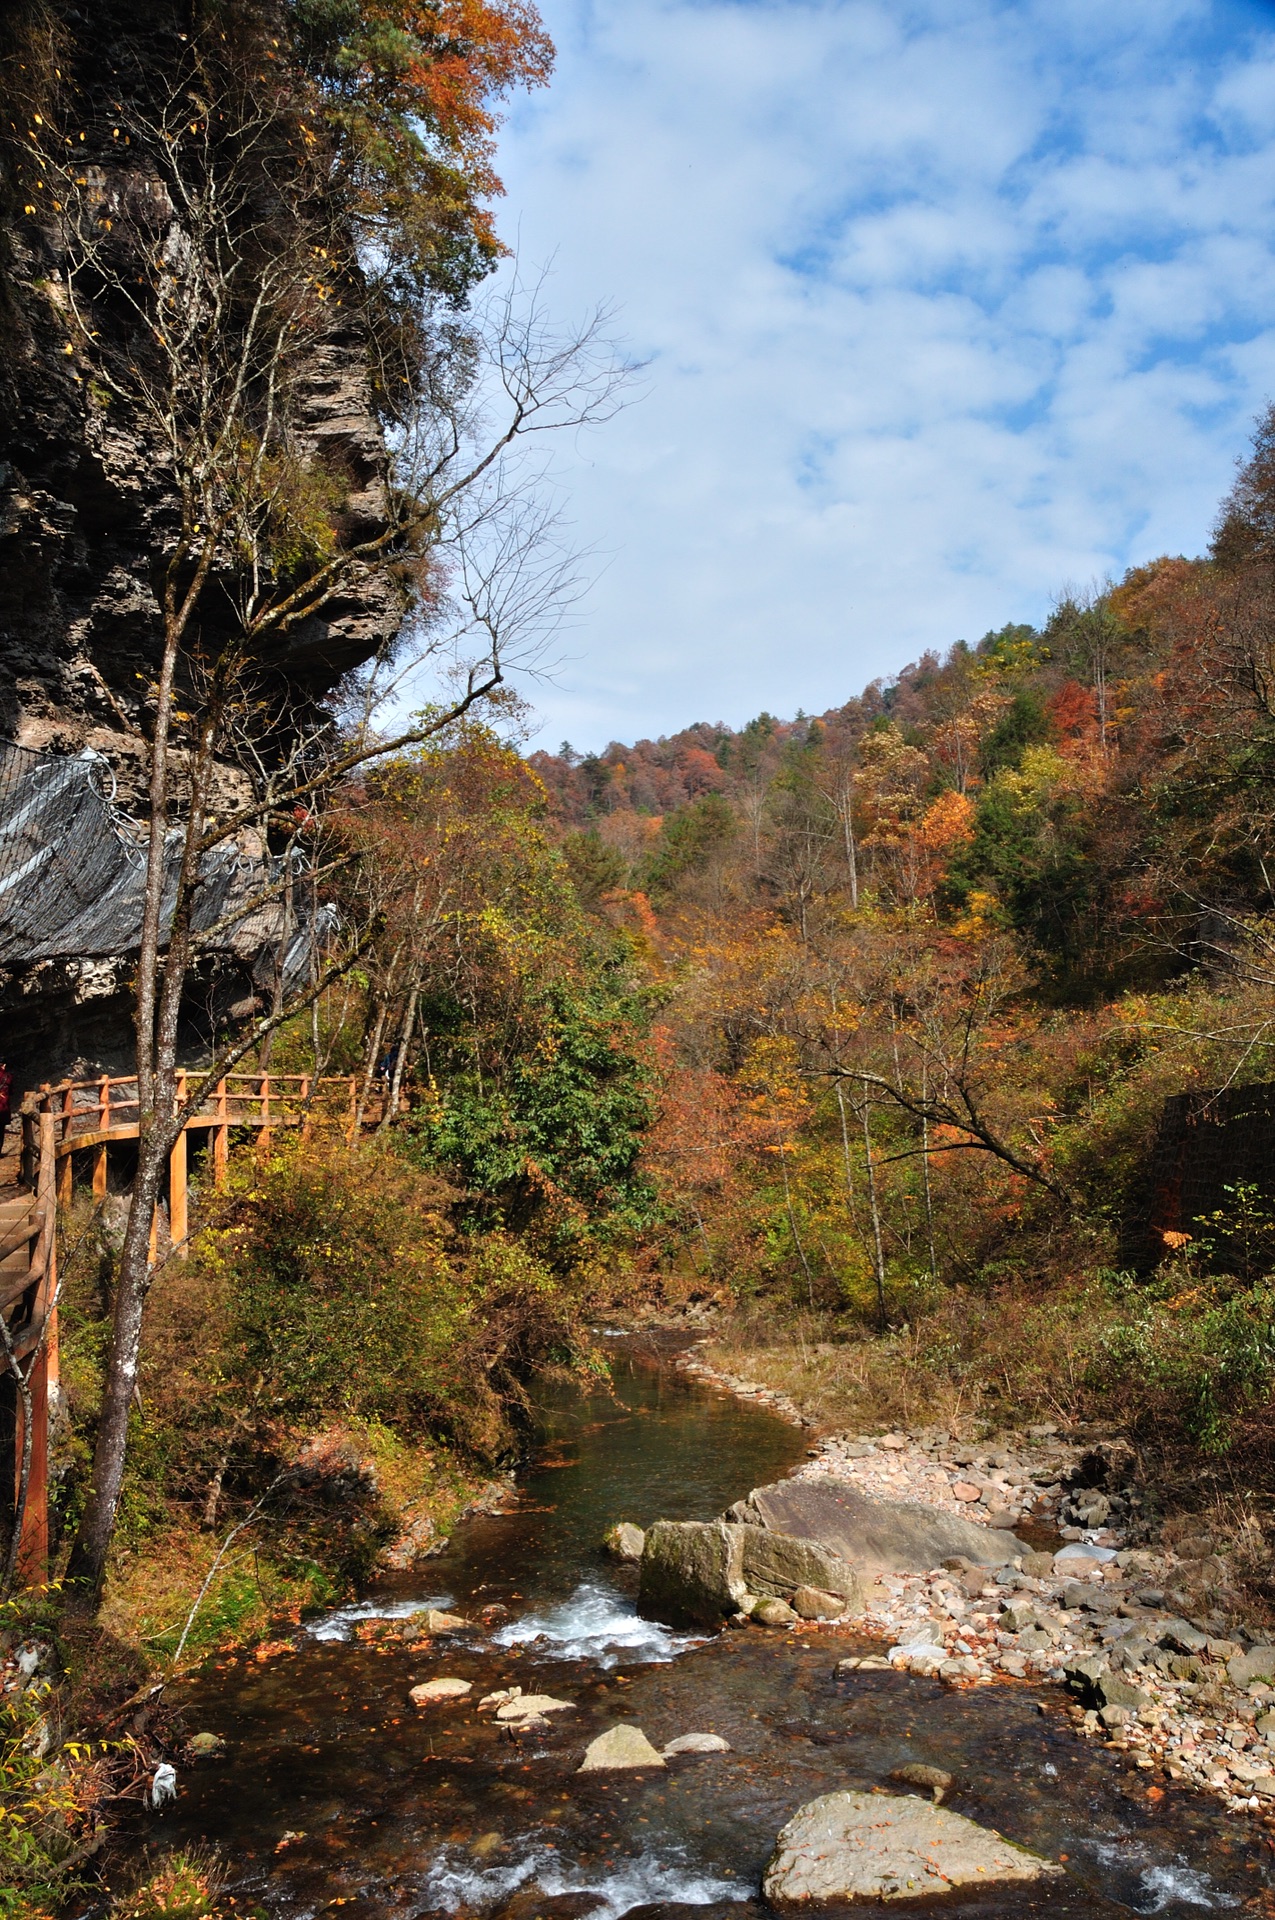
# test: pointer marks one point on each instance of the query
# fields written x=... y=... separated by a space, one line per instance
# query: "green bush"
x=1197 y=1355
x=345 y=1291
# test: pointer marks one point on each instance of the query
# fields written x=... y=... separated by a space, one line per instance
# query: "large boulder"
x=777 y=1564
x=846 y=1847
x=888 y=1536
x=1257 y=1664
x=692 y=1570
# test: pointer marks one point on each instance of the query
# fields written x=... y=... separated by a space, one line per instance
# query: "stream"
x=336 y=1794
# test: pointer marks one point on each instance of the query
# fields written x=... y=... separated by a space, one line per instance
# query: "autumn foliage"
x=931 y=961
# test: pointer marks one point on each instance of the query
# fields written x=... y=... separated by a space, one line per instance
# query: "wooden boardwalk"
x=69 y=1130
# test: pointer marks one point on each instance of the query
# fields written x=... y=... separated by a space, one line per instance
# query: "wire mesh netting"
x=73 y=871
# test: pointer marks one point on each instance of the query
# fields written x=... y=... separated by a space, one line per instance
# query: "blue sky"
x=946 y=306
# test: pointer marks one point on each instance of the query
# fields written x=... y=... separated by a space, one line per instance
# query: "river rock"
x=1079 y=1556
x=436 y=1622
x=499 y=1698
x=812 y=1603
x=889 y=1536
x=625 y=1541
x=206 y=1746
x=1257 y=1664
x=1083 y=1671
x=692 y=1570
x=530 y=1706
x=697 y=1743
x=917 y=1656
x=441 y=1689
x=776 y=1564
x=1112 y=1691
x=915 y=1774
x=621 y=1746
x=845 y=1847
x=773 y=1613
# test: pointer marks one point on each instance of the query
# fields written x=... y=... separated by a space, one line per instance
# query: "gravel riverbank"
x=1101 y=1605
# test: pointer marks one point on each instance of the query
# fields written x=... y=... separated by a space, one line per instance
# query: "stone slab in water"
x=776 y=1563
x=846 y=1847
x=692 y=1570
x=883 y=1535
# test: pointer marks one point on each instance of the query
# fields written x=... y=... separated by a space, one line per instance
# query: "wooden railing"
x=88 y=1115
x=83 y=1119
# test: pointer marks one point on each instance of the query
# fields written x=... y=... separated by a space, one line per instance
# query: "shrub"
x=332 y=1284
x=1196 y=1355
x=187 y=1886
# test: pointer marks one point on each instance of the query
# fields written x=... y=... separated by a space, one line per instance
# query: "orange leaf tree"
x=410 y=92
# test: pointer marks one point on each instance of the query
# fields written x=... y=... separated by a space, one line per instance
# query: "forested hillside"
x=929 y=964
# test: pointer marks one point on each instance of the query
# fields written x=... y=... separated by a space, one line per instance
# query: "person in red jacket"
x=6 y=1093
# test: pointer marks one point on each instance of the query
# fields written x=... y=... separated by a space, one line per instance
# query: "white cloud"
x=945 y=304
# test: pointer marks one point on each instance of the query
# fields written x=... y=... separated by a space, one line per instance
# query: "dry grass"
x=980 y=1365
x=974 y=1363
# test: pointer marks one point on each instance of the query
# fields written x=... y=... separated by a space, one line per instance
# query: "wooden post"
x=103 y=1126
x=263 y=1131
x=27 y=1172
x=33 y=1548
x=66 y=1172
x=221 y=1137
x=306 y=1128
x=178 y=1209
x=353 y=1126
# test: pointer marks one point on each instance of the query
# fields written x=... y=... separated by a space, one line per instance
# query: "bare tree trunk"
x=876 y=1218
x=792 y=1223
x=376 y=1036
x=285 y=941
x=87 y=1567
x=400 y=1056
x=845 y=1147
x=160 y=983
x=925 y=1174
x=852 y=852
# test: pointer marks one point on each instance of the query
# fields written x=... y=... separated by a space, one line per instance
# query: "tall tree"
x=199 y=293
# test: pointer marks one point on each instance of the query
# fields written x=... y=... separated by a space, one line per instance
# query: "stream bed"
x=336 y=1795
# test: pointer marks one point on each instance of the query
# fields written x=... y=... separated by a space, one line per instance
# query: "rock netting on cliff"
x=73 y=872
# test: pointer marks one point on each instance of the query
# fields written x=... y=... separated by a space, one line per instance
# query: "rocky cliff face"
x=86 y=509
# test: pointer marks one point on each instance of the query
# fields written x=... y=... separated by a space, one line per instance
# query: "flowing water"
x=337 y=1795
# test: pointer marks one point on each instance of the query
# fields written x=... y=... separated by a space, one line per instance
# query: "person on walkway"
x=6 y=1096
